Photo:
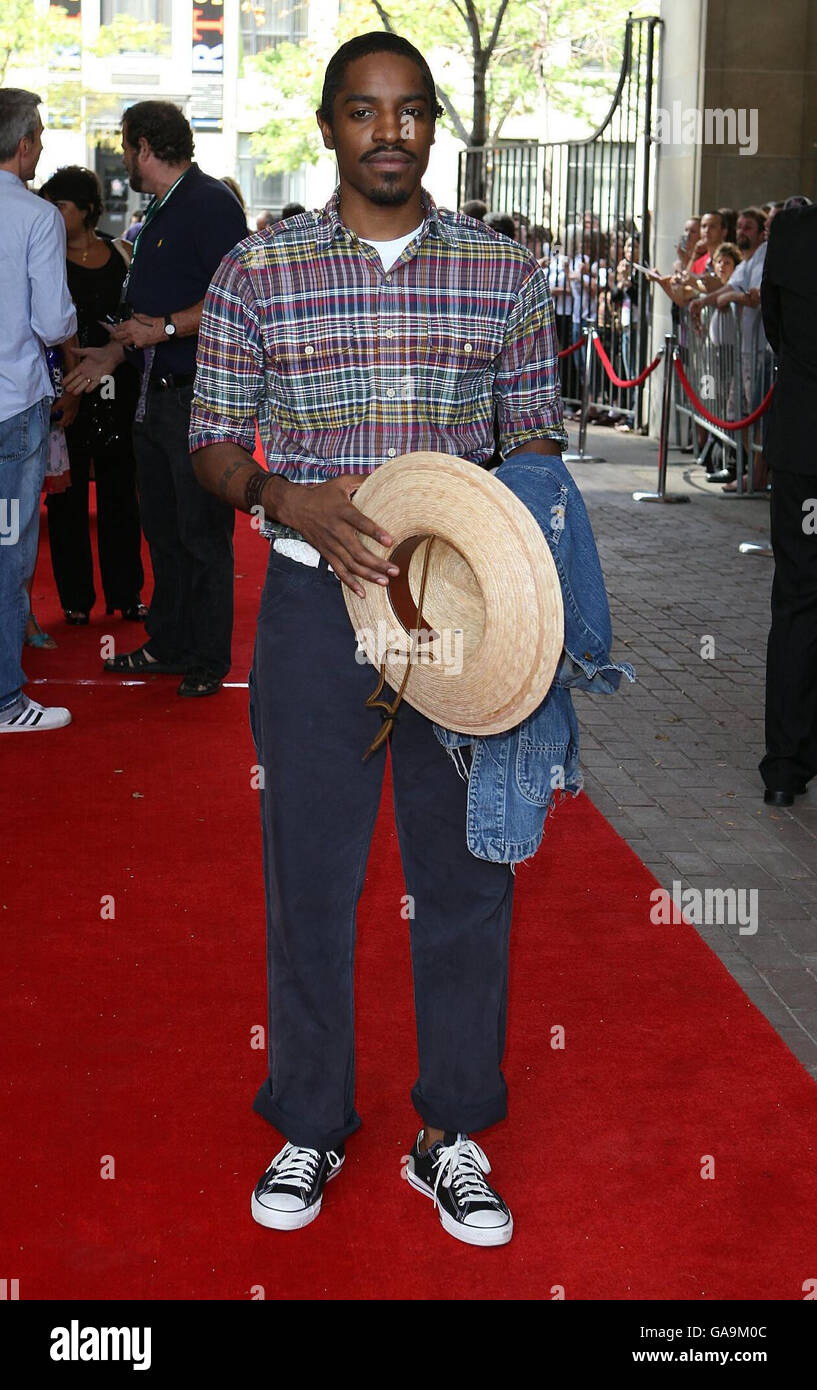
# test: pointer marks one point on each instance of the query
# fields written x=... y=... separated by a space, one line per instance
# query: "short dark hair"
x=291 y=210
x=79 y=186
x=475 y=208
x=165 y=128
x=757 y=215
x=378 y=41
x=501 y=222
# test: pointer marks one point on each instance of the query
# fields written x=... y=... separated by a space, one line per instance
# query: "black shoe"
x=777 y=797
x=199 y=681
x=289 y=1194
x=451 y=1172
x=723 y=475
x=76 y=617
x=134 y=613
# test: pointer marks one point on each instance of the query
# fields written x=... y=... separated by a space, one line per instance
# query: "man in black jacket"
x=192 y=222
x=789 y=304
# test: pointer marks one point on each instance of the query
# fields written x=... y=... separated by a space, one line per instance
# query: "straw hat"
x=492 y=595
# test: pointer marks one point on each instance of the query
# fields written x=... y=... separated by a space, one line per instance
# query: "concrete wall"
x=762 y=56
x=678 y=166
x=758 y=58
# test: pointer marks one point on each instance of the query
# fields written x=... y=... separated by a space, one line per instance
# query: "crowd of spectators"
x=718 y=269
x=594 y=277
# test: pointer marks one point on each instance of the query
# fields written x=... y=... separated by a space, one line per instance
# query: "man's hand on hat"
x=327 y=518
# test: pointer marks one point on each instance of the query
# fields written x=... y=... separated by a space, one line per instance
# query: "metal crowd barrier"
x=729 y=375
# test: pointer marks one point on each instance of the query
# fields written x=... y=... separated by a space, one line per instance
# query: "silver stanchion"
x=581 y=456
x=670 y=345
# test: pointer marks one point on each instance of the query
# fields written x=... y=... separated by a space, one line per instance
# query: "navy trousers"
x=791 y=655
x=319 y=803
x=190 y=534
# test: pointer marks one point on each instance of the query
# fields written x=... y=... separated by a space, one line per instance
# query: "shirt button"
x=390 y=392
x=309 y=349
x=389 y=332
x=588 y=656
x=466 y=347
x=388 y=279
x=391 y=453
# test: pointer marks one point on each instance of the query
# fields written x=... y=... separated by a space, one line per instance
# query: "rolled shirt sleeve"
x=527 y=385
x=229 y=363
x=53 y=316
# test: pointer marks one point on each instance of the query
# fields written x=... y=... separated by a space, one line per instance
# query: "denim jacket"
x=513 y=775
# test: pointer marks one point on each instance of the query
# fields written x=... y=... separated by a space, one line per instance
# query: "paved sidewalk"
x=672 y=760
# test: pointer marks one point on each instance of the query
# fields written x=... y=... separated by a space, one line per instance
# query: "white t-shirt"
x=748 y=276
x=389 y=251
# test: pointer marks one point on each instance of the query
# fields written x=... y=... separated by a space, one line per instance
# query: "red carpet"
x=131 y=1038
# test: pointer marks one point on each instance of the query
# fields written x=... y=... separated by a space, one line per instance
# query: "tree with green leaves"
x=31 y=39
x=28 y=36
x=490 y=61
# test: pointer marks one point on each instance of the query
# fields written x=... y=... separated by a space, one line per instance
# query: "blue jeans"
x=319 y=805
x=23 y=456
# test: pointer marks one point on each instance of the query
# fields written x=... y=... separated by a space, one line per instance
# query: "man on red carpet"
x=377 y=326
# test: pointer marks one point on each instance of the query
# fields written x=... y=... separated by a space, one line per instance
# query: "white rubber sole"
x=290 y=1220
x=469 y=1235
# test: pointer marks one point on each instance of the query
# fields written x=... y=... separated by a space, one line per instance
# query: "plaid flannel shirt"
x=345 y=365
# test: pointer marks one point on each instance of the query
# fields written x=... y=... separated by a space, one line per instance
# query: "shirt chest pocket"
x=460 y=363
x=319 y=383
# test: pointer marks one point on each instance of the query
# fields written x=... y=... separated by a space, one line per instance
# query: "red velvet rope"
x=617 y=380
x=574 y=347
x=713 y=419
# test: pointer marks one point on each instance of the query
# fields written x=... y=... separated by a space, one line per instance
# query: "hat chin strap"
x=402 y=603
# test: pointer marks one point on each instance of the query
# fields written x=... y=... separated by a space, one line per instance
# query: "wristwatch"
x=170 y=327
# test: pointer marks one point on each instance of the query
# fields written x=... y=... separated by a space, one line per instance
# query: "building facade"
x=197 y=58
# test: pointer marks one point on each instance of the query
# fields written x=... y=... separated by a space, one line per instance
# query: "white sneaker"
x=34 y=716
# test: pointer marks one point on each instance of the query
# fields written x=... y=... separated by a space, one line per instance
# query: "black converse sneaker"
x=451 y=1172
x=289 y=1194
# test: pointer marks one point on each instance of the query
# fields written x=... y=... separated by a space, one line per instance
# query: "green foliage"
x=125 y=34
x=27 y=37
x=557 y=55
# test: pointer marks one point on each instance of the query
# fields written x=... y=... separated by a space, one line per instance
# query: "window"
x=266 y=23
x=145 y=11
x=266 y=190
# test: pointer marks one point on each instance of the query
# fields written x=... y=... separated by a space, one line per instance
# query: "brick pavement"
x=672 y=761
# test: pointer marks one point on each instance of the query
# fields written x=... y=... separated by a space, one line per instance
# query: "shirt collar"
x=330 y=225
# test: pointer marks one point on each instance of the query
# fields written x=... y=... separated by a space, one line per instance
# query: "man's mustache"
x=388 y=149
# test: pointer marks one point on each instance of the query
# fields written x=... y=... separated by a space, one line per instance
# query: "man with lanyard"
x=378 y=326
x=192 y=221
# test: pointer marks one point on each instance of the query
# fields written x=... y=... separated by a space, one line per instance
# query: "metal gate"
x=587 y=197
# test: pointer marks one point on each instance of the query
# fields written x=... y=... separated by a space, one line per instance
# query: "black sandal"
x=199 y=681
x=140 y=663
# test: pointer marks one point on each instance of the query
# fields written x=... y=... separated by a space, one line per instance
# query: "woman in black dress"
x=100 y=436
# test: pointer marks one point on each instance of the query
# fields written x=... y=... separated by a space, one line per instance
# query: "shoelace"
x=462 y=1165
x=297 y=1166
